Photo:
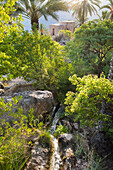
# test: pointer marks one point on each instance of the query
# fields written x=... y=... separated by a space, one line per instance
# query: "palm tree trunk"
x=82 y=18
x=83 y=15
x=35 y=23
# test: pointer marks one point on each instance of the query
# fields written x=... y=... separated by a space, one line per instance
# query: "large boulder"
x=40 y=101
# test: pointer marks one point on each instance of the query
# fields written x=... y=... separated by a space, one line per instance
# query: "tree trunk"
x=110 y=75
x=34 y=23
x=100 y=69
x=83 y=17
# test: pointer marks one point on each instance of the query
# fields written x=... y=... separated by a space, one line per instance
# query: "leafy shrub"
x=64 y=35
x=60 y=130
x=92 y=47
x=45 y=139
x=86 y=104
x=67 y=35
x=13 y=135
x=37 y=58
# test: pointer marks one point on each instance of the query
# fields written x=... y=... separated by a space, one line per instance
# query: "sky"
x=63 y=16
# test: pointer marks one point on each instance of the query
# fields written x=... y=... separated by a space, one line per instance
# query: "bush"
x=13 y=135
x=45 y=139
x=92 y=47
x=67 y=35
x=37 y=58
x=60 y=130
x=87 y=103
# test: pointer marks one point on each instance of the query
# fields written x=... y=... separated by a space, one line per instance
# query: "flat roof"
x=67 y=21
x=57 y=24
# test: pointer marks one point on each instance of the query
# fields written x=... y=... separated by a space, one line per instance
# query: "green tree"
x=86 y=104
x=93 y=45
x=78 y=21
x=5 y=10
x=110 y=7
x=14 y=131
x=105 y=15
x=34 y=9
x=82 y=8
x=36 y=57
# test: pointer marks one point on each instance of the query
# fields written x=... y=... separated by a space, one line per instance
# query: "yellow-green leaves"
x=86 y=103
x=7 y=22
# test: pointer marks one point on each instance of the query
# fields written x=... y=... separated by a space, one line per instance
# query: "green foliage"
x=82 y=8
x=45 y=139
x=92 y=46
x=86 y=103
x=13 y=134
x=60 y=130
x=5 y=18
x=67 y=35
x=109 y=7
x=43 y=29
x=88 y=154
x=8 y=25
x=37 y=58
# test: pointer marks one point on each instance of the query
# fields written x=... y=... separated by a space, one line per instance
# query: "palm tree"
x=104 y=16
x=81 y=8
x=34 y=9
x=78 y=21
x=110 y=7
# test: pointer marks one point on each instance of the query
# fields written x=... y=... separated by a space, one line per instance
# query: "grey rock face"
x=39 y=158
x=40 y=101
x=67 y=146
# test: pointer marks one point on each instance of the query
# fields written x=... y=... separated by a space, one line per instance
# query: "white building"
x=63 y=25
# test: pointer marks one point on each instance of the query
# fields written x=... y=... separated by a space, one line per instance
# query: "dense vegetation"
x=92 y=46
x=84 y=61
x=87 y=103
x=37 y=58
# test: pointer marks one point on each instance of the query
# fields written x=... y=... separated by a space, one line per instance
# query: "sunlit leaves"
x=7 y=22
x=86 y=103
x=92 y=47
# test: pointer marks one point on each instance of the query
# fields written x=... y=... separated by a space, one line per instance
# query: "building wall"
x=63 y=25
x=69 y=25
x=54 y=29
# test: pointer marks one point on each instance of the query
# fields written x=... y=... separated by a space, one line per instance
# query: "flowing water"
x=55 y=162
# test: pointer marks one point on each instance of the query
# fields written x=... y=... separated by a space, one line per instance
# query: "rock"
x=1 y=89
x=1 y=85
x=39 y=159
x=67 y=147
x=40 y=101
x=15 y=88
x=2 y=92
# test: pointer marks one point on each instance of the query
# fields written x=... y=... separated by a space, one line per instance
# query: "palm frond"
x=84 y=7
x=105 y=6
x=34 y=9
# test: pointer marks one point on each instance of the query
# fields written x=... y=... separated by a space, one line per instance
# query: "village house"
x=63 y=25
